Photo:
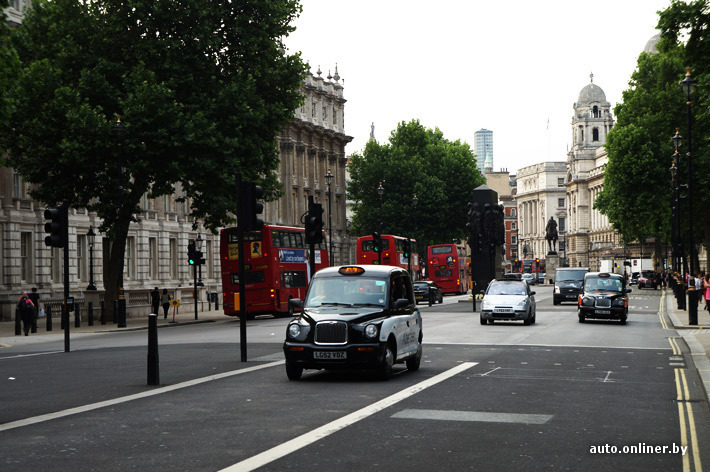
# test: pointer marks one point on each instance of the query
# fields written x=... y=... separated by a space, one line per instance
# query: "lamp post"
x=380 y=193
x=198 y=248
x=329 y=180
x=687 y=84
x=415 y=200
x=676 y=240
x=90 y=235
x=118 y=130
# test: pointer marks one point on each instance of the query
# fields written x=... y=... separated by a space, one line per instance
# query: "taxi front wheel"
x=385 y=369
x=293 y=372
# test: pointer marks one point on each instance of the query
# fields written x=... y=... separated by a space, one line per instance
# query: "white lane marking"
x=317 y=434
x=128 y=398
x=479 y=416
x=489 y=372
x=17 y=356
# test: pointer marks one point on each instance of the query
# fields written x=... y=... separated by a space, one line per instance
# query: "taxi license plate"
x=603 y=312
x=330 y=355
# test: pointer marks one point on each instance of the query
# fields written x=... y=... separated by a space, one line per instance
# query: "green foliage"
x=203 y=89
x=418 y=161
x=9 y=67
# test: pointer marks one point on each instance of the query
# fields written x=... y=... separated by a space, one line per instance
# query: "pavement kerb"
x=698 y=347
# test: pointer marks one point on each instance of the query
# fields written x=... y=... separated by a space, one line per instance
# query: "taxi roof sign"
x=351 y=270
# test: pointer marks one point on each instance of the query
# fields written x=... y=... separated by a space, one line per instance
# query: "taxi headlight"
x=294 y=330
x=557 y=289
x=586 y=301
x=618 y=302
x=370 y=331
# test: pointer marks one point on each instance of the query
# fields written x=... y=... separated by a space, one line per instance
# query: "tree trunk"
x=114 y=276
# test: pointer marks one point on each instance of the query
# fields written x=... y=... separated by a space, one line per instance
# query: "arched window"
x=595 y=111
x=595 y=134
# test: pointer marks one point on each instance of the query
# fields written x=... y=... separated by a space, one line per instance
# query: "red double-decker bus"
x=530 y=266
x=393 y=252
x=276 y=268
x=447 y=266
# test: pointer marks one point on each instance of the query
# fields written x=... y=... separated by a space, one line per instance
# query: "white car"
x=507 y=300
x=529 y=278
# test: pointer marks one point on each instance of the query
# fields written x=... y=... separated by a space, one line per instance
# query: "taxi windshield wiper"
x=367 y=304
x=335 y=304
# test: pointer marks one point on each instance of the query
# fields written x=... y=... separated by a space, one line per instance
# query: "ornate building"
x=313 y=145
x=590 y=236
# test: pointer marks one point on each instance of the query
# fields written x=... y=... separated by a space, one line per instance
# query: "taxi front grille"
x=603 y=302
x=331 y=332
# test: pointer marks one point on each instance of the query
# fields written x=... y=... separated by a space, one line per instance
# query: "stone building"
x=590 y=236
x=540 y=195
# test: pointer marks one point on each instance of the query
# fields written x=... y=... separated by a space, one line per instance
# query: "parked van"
x=568 y=284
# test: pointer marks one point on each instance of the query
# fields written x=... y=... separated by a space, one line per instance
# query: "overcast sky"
x=509 y=66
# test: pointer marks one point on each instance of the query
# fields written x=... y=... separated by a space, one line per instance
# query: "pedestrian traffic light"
x=191 y=253
x=377 y=242
x=199 y=258
x=251 y=207
x=314 y=223
x=407 y=246
x=57 y=227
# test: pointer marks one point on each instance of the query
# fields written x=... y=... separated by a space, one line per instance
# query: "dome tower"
x=592 y=120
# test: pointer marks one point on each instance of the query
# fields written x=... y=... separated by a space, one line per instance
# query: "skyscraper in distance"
x=483 y=147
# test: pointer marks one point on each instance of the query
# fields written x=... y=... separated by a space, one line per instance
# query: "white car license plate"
x=603 y=312
x=330 y=355
x=502 y=310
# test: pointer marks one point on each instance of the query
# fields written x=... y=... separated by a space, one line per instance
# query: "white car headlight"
x=370 y=331
x=522 y=304
x=294 y=330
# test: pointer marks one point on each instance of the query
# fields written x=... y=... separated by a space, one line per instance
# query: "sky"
x=515 y=67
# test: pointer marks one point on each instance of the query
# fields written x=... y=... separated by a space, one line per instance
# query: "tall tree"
x=9 y=66
x=419 y=161
x=203 y=89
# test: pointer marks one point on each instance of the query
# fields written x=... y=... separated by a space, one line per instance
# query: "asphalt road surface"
x=557 y=395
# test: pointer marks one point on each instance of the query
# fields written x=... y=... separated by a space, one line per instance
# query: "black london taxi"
x=604 y=296
x=355 y=317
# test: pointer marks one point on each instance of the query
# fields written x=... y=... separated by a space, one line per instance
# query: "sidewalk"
x=697 y=337
x=186 y=316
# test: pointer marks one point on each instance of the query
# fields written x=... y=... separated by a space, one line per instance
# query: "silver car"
x=507 y=300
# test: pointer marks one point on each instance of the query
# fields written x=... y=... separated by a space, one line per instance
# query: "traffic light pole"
x=65 y=310
x=194 y=287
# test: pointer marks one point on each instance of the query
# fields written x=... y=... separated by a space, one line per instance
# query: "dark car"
x=355 y=317
x=568 y=284
x=634 y=280
x=423 y=289
x=604 y=296
x=513 y=276
x=648 y=279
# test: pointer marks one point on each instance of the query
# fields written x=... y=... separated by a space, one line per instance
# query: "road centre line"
x=317 y=434
x=128 y=398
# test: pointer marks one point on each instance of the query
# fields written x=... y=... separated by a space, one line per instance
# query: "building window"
x=561 y=245
x=561 y=224
x=560 y=181
x=513 y=212
x=25 y=259
x=595 y=112
x=152 y=258
x=57 y=260
x=512 y=225
x=173 y=259
x=128 y=258
x=208 y=259
x=513 y=240
x=560 y=202
x=17 y=185
x=595 y=134
x=80 y=257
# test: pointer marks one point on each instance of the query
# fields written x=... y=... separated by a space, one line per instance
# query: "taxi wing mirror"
x=295 y=302
x=532 y=293
x=401 y=303
x=628 y=290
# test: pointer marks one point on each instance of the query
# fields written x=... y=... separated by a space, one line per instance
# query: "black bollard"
x=153 y=364
x=692 y=304
x=103 y=312
x=116 y=315
x=90 y=314
x=48 y=314
x=18 y=322
x=121 y=312
x=473 y=295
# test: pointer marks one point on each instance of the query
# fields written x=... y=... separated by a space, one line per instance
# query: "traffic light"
x=377 y=242
x=191 y=253
x=407 y=246
x=199 y=259
x=57 y=226
x=470 y=225
x=252 y=207
x=314 y=223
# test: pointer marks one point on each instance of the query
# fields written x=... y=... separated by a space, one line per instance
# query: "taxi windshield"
x=346 y=291
x=598 y=284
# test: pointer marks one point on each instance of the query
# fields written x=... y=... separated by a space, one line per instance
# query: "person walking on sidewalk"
x=155 y=300
x=706 y=291
x=34 y=296
x=27 y=312
x=165 y=301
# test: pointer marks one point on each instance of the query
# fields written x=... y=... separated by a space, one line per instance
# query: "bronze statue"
x=551 y=235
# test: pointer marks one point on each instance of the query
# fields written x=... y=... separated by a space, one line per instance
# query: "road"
x=495 y=397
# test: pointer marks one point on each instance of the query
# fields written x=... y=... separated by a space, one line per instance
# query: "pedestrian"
x=699 y=286
x=27 y=312
x=165 y=301
x=706 y=289
x=34 y=296
x=155 y=300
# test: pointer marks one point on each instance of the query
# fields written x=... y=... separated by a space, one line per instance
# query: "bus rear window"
x=443 y=273
x=368 y=246
x=293 y=279
x=249 y=278
x=442 y=250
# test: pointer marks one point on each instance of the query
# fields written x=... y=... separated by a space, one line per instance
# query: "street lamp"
x=415 y=200
x=90 y=235
x=676 y=240
x=329 y=180
x=118 y=131
x=687 y=84
x=380 y=193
